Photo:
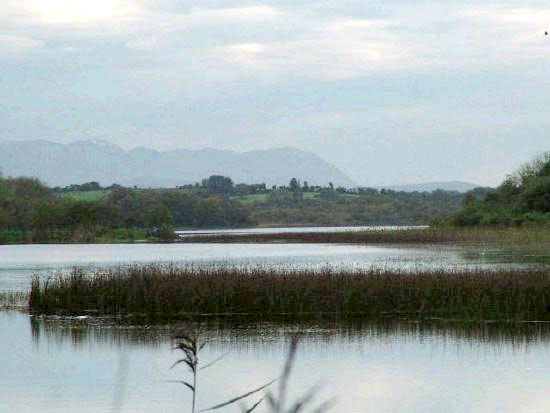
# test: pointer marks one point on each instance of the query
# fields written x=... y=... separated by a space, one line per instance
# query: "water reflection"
x=243 y=332
x=70 y=331
x=295 y=230
x=63 y=365
x=119 y=389
x=507 y=255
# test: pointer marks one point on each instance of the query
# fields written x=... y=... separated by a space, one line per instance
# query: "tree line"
x=30 y=211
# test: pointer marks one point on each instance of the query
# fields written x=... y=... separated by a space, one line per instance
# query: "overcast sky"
x=391 y=92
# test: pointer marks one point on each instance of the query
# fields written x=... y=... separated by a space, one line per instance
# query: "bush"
x=524 y=197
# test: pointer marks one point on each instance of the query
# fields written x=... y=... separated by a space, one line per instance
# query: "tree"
x=537 y=194
x=294 y=185
x=89 y=186
x=219 y=184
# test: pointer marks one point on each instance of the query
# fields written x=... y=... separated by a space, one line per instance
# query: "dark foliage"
x=366 y=206
x=29 y=211
x=523 y=198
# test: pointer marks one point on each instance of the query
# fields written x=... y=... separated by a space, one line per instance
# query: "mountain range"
x=59 y=164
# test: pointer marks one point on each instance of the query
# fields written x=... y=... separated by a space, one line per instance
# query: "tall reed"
x=13 y=299
x=190 y=344
x=161 y=293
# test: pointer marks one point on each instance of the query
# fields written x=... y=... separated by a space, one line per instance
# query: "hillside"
x=432 y=186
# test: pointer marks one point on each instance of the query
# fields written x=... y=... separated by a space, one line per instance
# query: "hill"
x=92 y=160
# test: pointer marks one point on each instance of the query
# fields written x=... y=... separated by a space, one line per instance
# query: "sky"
x=391 y=92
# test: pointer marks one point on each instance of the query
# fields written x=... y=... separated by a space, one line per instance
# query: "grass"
x=166 y=293
x=431 y=235
x=77 y=236
x=250 y=200
x=121 y=235
x=90 y=196
x=13 y=299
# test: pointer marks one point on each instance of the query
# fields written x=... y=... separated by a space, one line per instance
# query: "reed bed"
x=431 y=235
x=162 y=293
x=13 y=299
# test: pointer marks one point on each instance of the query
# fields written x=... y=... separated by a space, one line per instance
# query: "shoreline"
x=377 y=235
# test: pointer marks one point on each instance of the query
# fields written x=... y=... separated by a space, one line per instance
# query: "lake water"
x=87 y=366
x=55 y=366
x=19 y=262
x=294 y=230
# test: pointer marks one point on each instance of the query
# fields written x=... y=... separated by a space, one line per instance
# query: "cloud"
x=81 y=11
x=246 y=48
x=519 y=25
x=236 y=15
x=18 y=44
x=161 y=29
x=528 y=16
x=338 y=49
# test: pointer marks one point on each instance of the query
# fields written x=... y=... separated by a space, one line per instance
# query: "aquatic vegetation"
x=165 y=293
x=277 y=403
x=13 y=299
x=191 y=344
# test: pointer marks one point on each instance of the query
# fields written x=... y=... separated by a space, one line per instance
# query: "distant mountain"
x=92 y=160
x=432 y=186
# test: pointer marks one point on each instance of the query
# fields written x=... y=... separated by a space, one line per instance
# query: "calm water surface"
x=294 y=230
x=69 y=367
x=76 y=366
x=19 y=262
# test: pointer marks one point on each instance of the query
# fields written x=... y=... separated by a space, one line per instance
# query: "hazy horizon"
x=23 y=159
x=390 y=93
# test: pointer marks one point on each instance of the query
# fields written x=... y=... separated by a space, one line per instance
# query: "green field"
x=262 y=198
x=86 y=195
x=250 y=199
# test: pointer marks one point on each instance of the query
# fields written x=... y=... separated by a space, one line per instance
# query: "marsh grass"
x=164 y=293
x=14 y=299
x=431 y=235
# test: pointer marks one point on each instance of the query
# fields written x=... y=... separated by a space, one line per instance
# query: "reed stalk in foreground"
x=277 y=403
x=190 y=345
x=168 y=293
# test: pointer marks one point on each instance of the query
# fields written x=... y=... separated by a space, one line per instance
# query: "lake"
x=19 y=262
x=294 y=230
x=61 y=365
x=56 y=366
